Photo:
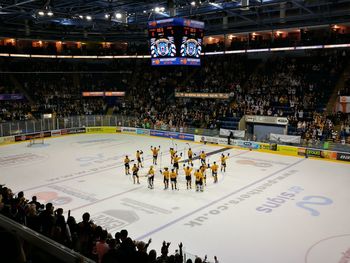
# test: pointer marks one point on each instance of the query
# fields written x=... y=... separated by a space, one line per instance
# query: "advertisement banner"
x=330 y=155
x=159 y=133
x=343 y=157
x=29 y=136
x=75 y=130
x=56 y=133
x=101 y=129
x=236 y=133
x=290 y=150
x=11 y=96
x=285 y=138
x=314 y=153
x=128 y=130
x=246 y=144
x=186 y=137
x=5 y=140
x=266 y=119
x=143 y=132
x=202 y=95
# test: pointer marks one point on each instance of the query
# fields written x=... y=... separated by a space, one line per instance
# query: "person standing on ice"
x=176 y=160
x=199 y=180
x=150 y=177
x=166 y=176
x=172 y=155
x=223 y=159
x=138 y=158
x=214 y=171
x=173 y=179
x=155 y=152
x=135 y=173
x=188 y=171
x=127 y=165
x=202 y=157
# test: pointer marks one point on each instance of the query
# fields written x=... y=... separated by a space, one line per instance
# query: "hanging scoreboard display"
x=176 y=41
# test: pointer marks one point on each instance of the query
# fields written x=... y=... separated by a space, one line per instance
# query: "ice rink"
x=265 y=208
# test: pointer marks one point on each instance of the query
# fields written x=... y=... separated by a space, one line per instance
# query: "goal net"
x=36 y=140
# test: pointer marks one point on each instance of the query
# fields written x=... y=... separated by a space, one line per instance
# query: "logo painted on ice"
x=314 y=200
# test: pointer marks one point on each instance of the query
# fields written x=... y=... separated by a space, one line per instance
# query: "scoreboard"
x=176 y=41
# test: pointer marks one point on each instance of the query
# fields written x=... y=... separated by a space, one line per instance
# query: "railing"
x=30 y=126
x=52 y=250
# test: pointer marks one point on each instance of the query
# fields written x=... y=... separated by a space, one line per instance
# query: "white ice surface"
x=86 y=173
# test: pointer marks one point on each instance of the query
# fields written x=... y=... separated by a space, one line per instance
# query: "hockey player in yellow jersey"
x=166 y=175
x=176 y=160
x=127 y=165
x=138 y=158
x=135 y=174
x=203 y=169
x=223 y=159
x=150 y=175
x=188 y=172
x=190 y=156
x=173 y=179
x=214 y=171
x=155 y=152
x=199 y=180
x=172 y=155
x=202 y=157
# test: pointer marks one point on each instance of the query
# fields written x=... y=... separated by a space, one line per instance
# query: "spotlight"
x=50 y=13
x=157 y=9
x=118 y=15
x=41 y=13
x=193 y=3
x=88 y=17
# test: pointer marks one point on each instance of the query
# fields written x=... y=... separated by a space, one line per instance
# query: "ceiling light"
x=88 y=17
x=118 y=15
x=193 y=3
x=41 y=13
x=157 y=9
x=50 y=13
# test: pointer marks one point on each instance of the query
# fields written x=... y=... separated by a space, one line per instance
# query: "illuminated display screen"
x=176 y=42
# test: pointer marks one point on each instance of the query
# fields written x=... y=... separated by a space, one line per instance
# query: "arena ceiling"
x=110 y=20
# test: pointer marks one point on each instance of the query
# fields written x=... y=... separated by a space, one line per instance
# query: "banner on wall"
x=29 y=136
x=284 y=138
x=7 y=139
x=128 y=130
x=236 y=133
x=143 y=132
x=246 y=144
x=266 y=119
x=172 y=135
x=343 y=157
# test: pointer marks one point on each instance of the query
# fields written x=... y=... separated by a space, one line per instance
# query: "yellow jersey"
x=223 y=159
x=214 y=167
x=151 y=171
x=155 y=151
x=188 y=171
x=166 y=174
x=126 y=160
x=189 y=153
x=198 y=175
x=177 y=159
x=202 y=156
x=173 y=175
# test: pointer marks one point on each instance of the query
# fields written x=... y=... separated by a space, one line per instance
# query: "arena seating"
x=293 y=85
